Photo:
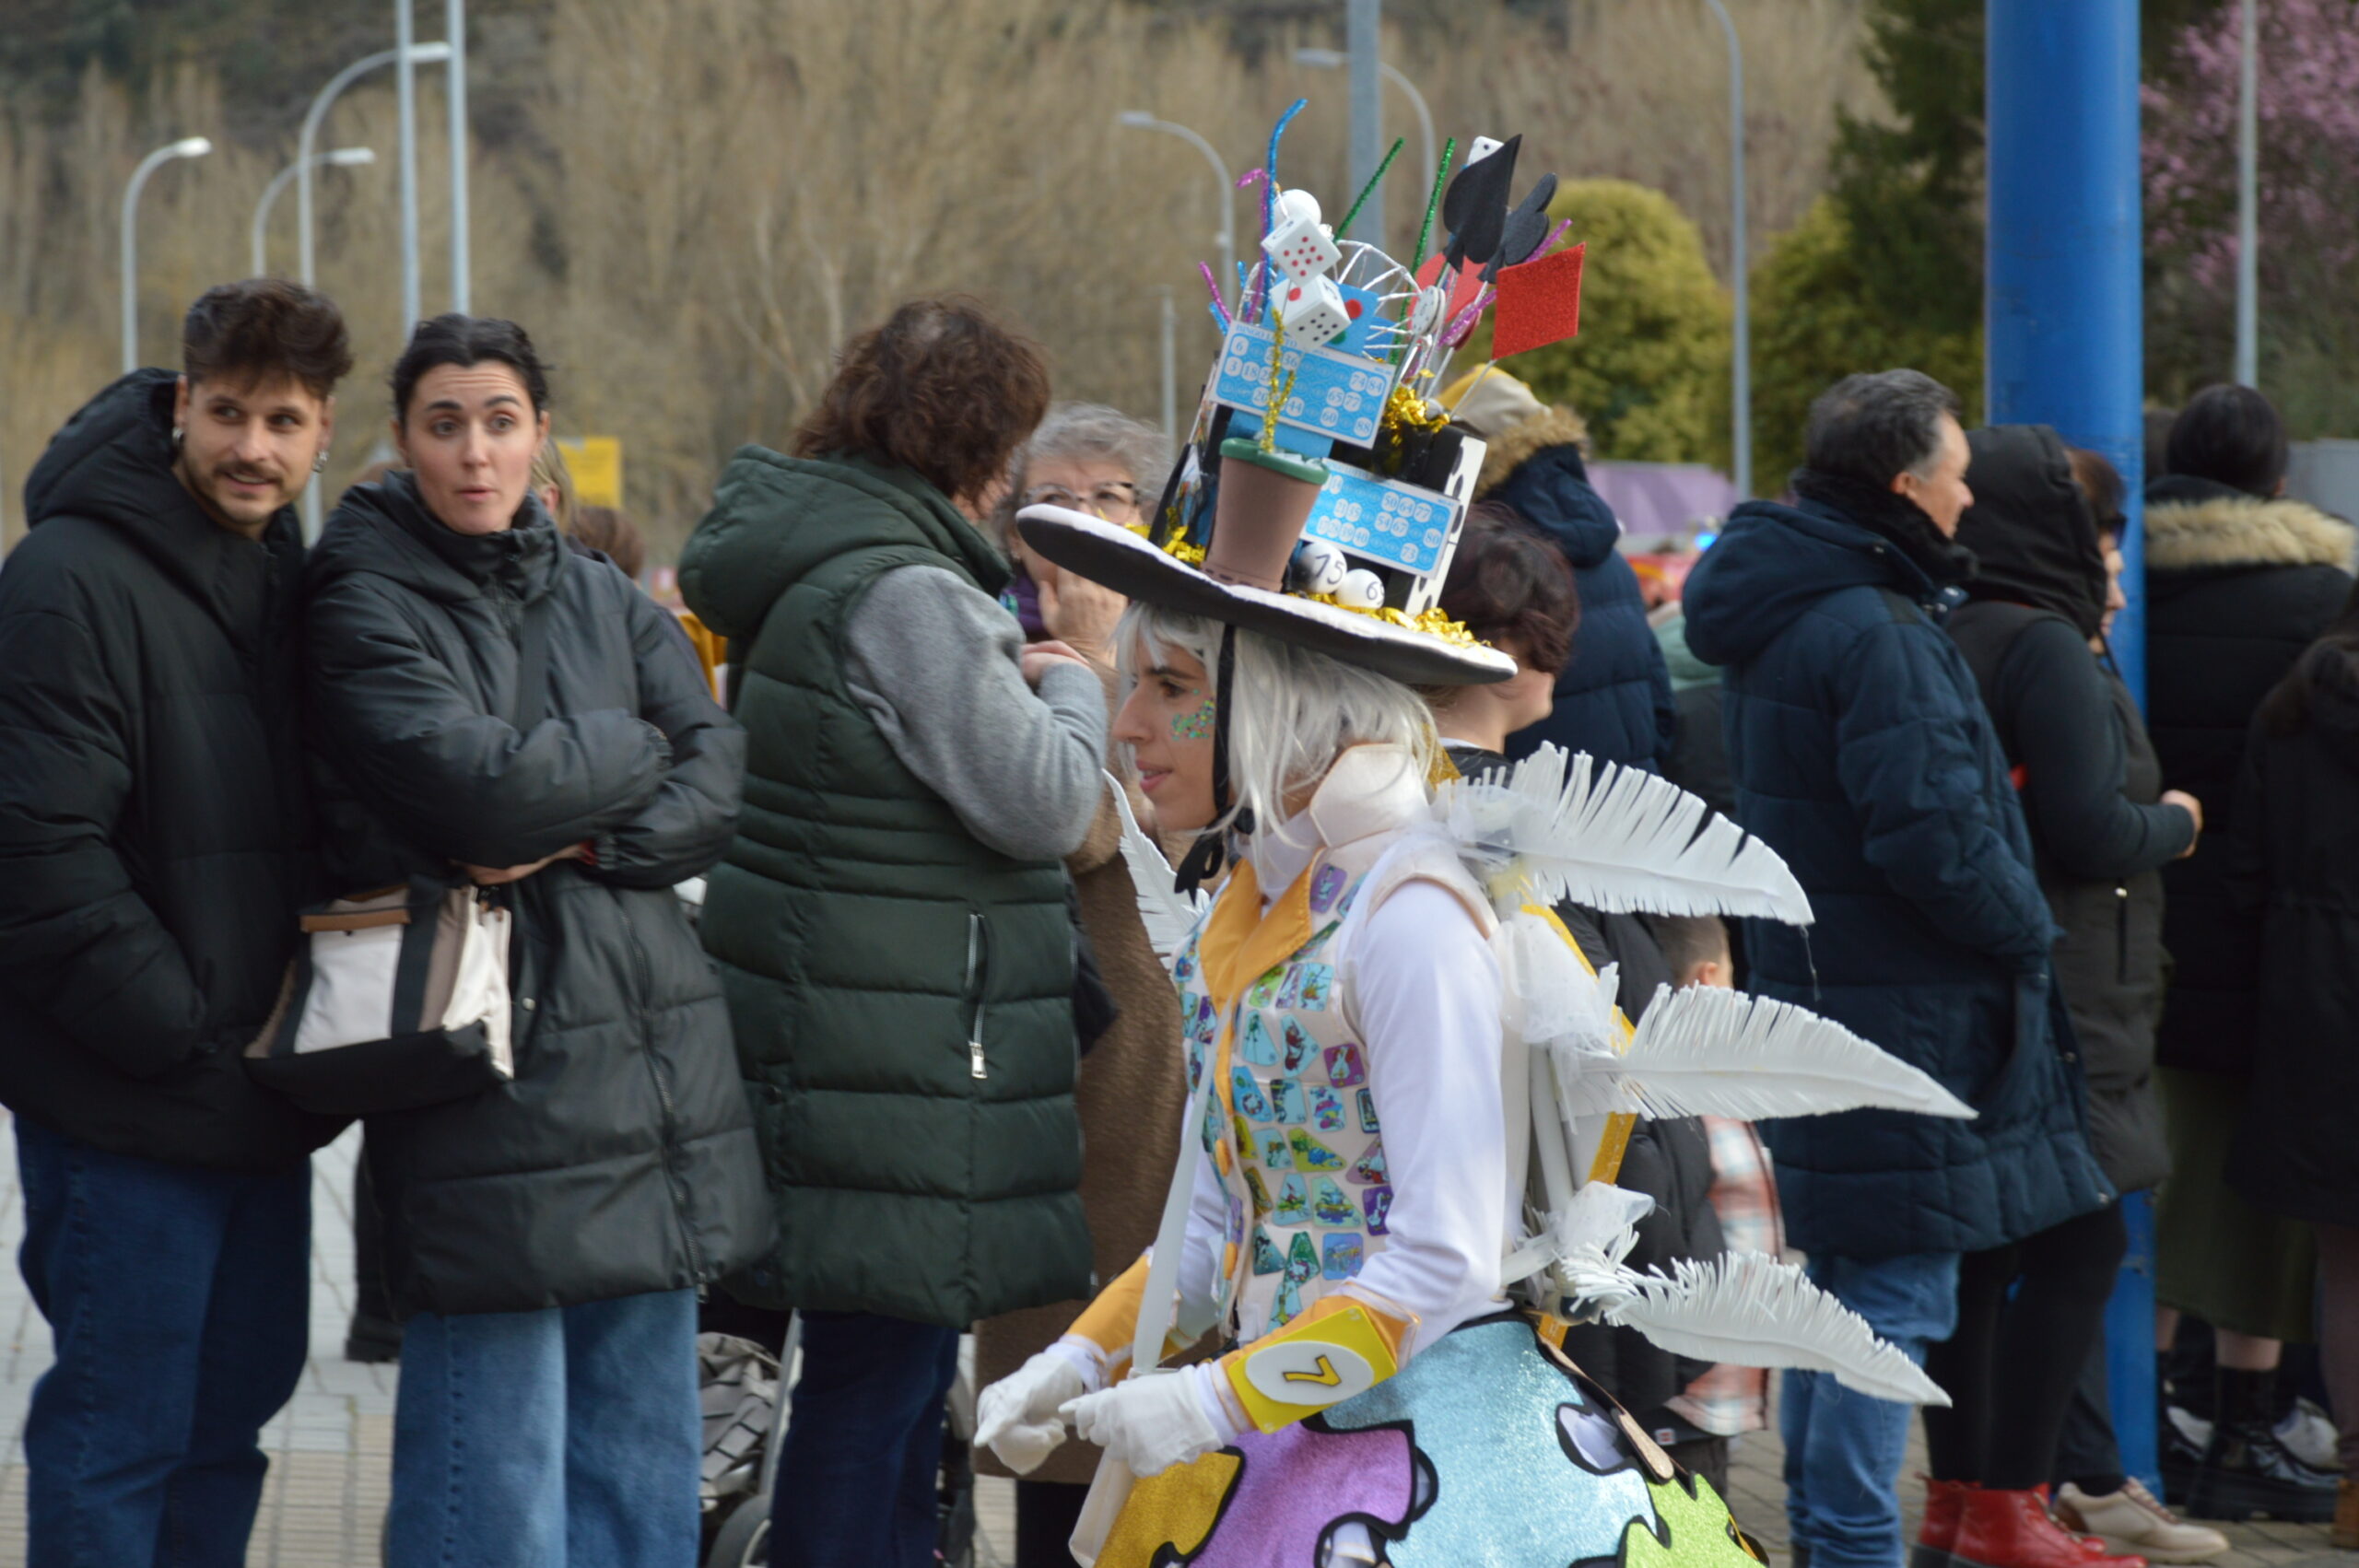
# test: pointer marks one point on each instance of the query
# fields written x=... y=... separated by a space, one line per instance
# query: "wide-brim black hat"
x=1385 y=641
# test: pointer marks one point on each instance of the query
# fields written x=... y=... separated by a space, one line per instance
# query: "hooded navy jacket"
x=1861 y=754
x=1613 y=695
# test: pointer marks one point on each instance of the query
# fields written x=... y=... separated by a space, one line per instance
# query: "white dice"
x=1311 y=310
x=1299 y=247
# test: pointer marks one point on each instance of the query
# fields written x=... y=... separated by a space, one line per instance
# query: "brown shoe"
x=2346 y=1516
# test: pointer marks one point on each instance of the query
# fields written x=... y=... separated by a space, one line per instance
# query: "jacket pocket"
x=978 y=988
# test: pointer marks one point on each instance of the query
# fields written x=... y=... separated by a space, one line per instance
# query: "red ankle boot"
x=2011 y=1529
x=1937 y=1540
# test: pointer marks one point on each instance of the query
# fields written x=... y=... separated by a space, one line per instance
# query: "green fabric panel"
x=842 y=922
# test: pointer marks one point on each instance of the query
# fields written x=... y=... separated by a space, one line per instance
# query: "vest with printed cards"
x=1292 y=1124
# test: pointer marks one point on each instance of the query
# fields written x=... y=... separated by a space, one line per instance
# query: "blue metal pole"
x=2063 y=318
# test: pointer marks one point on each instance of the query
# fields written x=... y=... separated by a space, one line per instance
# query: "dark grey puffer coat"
x=621 y=1159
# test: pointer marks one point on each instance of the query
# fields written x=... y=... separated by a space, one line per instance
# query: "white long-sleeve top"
x=1421 y=987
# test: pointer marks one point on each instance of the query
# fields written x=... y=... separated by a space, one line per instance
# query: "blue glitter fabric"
x=1487 y=1410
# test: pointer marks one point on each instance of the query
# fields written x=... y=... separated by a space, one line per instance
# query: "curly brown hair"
x=265 y=327
x=1507 y=581
x=941 y=388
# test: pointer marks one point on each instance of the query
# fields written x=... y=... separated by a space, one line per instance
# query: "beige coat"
x=1133 y=1094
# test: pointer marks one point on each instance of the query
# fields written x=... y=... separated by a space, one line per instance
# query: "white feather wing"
x=1167 y=916
x=1619 y=840
x=1703 y=1051
x=1749 y=1309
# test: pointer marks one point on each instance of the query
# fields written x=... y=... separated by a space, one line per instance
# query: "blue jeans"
x=565 y=1438
x=1844 y=1450
x=179 y=1299
x=863 y=1444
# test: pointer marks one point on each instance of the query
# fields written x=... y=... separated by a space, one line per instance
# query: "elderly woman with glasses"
x=1087 y=458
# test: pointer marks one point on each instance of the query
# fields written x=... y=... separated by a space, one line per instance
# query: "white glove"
x=1156 y=1419
x=1017 y=1417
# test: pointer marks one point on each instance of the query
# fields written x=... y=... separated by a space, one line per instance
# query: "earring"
x=178 y=433
x=320 y=463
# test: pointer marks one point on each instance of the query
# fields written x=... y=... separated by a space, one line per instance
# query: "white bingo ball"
x=1299 y=203
x=1360 y=589
x=1319 y=566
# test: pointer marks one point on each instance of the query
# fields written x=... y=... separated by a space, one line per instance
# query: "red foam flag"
x=1539 y=303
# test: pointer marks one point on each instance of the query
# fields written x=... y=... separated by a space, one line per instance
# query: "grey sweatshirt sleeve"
x=933 y=660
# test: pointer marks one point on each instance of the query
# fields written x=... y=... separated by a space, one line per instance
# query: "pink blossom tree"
x=2308 y=107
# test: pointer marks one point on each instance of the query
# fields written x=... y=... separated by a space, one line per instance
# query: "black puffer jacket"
x=1614 y=694
x=2085 y=771
x=2294 y=866
x=621 y=1159
x=151 y=802
x=2236 y=586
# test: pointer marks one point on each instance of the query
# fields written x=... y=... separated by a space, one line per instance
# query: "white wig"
x=1292 y=711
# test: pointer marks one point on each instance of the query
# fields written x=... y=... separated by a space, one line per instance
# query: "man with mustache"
x=152 y=835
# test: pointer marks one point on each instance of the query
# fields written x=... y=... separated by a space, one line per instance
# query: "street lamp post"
x=424 y=55
x=342 y=157
x=455 y=34
x=1336 y=60
x=406 y=153
x=1140 y=120
x=2249 y=201
x=188 y=146
x=1741 y=372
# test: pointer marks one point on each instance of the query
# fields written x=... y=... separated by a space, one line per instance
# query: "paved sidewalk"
x=330 y=1448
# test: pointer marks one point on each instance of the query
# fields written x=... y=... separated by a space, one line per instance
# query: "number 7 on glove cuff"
x=1309 y=1365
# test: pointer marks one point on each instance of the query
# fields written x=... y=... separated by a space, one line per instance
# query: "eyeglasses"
x=1109 y=498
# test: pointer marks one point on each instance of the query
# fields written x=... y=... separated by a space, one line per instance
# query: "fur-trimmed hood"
x=1558 y=426
x=2223 y=530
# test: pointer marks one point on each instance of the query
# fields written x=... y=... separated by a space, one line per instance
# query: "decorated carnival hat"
x=1243 y=580
x=1322 y=489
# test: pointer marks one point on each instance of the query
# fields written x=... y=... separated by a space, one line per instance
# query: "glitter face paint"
x=1195 y=726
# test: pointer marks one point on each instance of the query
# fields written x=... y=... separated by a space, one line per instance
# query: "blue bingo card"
x=1336 y=394
x=1397 y=525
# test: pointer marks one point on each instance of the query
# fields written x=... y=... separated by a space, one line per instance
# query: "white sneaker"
x=2310 y=1438
x=2131 y=1522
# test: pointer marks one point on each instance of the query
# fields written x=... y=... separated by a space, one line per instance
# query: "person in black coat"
x=2101 y=827
x=2239 y=579
x=1862 y=755
x=2294 y=866
x=545 y=1239
x=1613 y=696
x=152 y=833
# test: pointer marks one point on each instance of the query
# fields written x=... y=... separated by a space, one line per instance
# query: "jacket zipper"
x=2121 y=934
x=664 y=1098
x=977 y=979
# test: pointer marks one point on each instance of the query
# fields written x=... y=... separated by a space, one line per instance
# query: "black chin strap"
x=1204 y=857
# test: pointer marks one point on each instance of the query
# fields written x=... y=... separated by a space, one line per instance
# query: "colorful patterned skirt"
x=1489 y=1450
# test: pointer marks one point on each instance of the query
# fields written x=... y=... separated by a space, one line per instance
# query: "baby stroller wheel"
x=744 y=1540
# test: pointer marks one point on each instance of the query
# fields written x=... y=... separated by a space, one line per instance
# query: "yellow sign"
x=596 y=463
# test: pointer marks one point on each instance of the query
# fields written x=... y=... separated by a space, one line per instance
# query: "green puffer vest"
x=902 y=994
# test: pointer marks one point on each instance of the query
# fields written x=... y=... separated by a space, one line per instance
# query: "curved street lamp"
x=342 y=157
x=1140 y=120
x=188 y=146
x=419 y=54
x=1741 y=372
x=1336 y=60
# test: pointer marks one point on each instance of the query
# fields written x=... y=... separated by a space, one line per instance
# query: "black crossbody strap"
x=533 y=664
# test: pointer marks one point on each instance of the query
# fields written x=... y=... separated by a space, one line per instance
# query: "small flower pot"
x=1266 y=499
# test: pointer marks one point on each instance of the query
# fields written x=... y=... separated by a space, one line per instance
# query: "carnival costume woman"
x=1401 y=1071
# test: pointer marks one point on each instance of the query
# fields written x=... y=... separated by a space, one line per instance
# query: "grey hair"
x=1293 y=711
x=1084 y=432
x=1877 y=424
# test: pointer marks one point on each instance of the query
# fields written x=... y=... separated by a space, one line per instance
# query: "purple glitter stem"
x=1463 y=324
x=1212 y=284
